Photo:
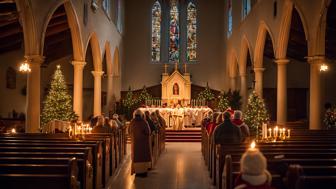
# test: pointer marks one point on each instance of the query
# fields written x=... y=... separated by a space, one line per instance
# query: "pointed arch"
x=245 y=47
x=108 y=57
x=284 y=33
x=156 y=31
x=116 y=63
x=31 y=45
x=75 y=31
x=233 y=64
x=95 y=47
x=260 y=44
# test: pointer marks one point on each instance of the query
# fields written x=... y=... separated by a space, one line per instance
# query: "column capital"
x=259 y=69
x=317 y=59
x=281 y=61
x=35 y=59
x=78 y=63
x=97 y=73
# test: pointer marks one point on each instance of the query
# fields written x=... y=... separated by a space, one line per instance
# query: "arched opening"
x=328 y=78
x=13 y=84
x=297 y=71
x=269 y=77
x=104 y=86
x=88 y=84
x=249 y=72
x=116 y=75
x=57 y=50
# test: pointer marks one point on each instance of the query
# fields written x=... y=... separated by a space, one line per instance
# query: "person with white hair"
x=100 y=126
x=115 y=117
x=140 y=146
x=238 y=121
x=253 y=171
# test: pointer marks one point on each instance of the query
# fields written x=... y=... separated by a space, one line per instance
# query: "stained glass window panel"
x=229 y=18
x=174 y=33
x=156 y=31
x=192 y=28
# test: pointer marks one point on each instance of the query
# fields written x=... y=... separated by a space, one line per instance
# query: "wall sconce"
x=25 y=67
x=324 y=68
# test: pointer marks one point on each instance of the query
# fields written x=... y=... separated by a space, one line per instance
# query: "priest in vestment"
x=140 y=146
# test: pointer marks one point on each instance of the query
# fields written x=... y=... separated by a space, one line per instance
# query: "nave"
x=181 y=166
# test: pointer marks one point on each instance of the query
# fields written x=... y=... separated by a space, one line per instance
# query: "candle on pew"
x=270 y=132
x=13 y=131
x=252 y=146
x=276 y=131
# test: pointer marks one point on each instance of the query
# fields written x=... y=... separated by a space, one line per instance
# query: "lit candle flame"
x=253 y=144
x=13 y=130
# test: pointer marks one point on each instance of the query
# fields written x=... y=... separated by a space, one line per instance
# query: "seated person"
x=227 y=133
x=237 y=120
x=253 y=172
x=100 y=126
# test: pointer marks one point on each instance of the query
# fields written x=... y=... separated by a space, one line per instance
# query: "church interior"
x=167 y=94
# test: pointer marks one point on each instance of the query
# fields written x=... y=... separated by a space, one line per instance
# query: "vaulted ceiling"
x=57 y=38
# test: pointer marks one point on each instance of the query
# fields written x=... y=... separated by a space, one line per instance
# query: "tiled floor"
x=180 y=167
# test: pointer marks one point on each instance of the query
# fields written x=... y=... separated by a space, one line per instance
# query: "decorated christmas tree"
x=129 y=102
x=144 y=96
x=256 y=113
x=206 y=94
x=223 y=103
x=58 y=103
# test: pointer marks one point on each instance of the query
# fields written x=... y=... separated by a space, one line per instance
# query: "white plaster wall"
x=12 y=99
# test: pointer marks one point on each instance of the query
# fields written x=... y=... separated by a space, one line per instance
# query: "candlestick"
x=276 y=131
x=270 y=132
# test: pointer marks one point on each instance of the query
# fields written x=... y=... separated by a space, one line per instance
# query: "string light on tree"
x=58 y=103
x=256 y=113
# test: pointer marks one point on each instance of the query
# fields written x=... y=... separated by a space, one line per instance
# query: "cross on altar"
x=165 y=68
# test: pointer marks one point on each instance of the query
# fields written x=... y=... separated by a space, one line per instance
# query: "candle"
x=270 y=132
x=13 y=131
x=276 y=131
x=288 y=133
x=252 y=146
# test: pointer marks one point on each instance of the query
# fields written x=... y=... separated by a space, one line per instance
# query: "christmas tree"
x=223 y=103
x=256 y=113
x=58 y=103
x=206 y=94
x=144 y=96
x=128 y=104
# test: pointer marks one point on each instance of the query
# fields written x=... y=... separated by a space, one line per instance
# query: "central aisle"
x=181 y=166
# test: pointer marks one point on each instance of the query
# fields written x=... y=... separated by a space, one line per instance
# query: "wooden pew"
x=53 y=176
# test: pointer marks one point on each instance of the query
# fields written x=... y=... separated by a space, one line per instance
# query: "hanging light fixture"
x=25 y=67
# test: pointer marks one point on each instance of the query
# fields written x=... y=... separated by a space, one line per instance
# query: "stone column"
x=33 y=94
x=243 y=89
x=97 y=92
x=259 y=81
x=315 y=109
x=233 y=83
x=282 y=91
x=78 y=88
x=117 y=87
x=109 y=98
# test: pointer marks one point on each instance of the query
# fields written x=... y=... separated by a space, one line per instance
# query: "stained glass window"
x=156 y=31
x=246 y=8
x=174 y=33
x=192 y=28
x=107 y=7
x=229 y=18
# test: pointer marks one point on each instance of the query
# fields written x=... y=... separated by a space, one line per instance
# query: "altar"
x=180 y=118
